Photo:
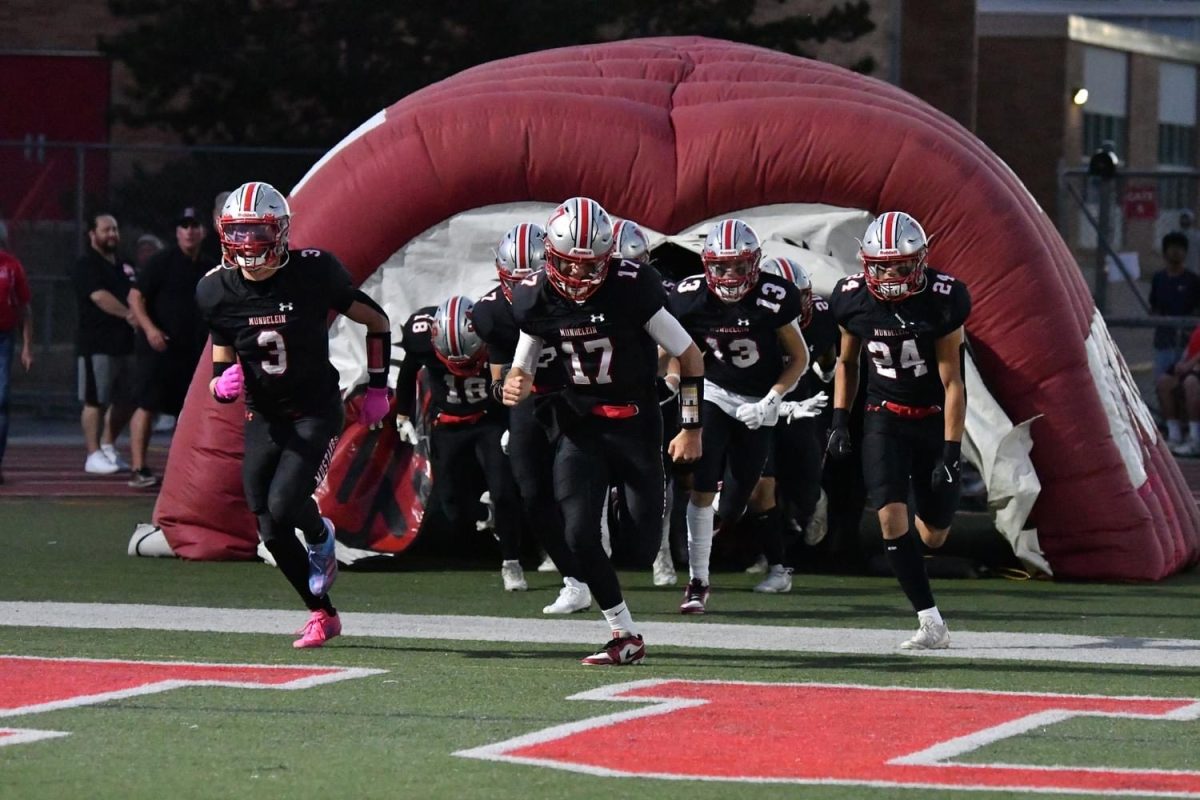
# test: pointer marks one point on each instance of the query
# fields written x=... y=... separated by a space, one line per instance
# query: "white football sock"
x=619 y=619
x=700 y=536
x=930 y=615
x=1174 y=430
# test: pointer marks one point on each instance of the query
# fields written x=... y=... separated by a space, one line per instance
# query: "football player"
x=910 y=318
x=267 y=310
x=466 y=420
x=521 y=252
x=603 y=316
x=746 y=323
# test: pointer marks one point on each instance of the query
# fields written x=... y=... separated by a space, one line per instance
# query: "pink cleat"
x=320 y=628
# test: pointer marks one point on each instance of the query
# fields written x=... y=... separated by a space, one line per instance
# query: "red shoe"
x=320 y=628
x=695 y=596
x=619 y=650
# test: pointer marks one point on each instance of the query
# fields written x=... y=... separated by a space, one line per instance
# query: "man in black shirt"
x=267 y=310
x=104 y=344
x=910 y=317
x=172 y=334
x=1174 y=291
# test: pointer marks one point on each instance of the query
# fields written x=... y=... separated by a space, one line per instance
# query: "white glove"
x=764 y=412
x=825 y=377
x=504 y=442
x=804 y=409
x=407 y=432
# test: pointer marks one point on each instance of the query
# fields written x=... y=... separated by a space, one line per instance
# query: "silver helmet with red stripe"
x=579 y=243
x=893 y=254
x=455 y=342
x=632 y=243
x=253 y=228
x=521 y=252
x=730 y=256
x=792 y=272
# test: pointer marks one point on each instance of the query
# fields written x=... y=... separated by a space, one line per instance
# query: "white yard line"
x=588 y=630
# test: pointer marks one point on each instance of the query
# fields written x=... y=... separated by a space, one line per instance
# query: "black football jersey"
x=603 y=348
x=898 y=338
x=821 y=334
x=741 y=348
x=449 y=393
x=279 y=329
x=495 y=324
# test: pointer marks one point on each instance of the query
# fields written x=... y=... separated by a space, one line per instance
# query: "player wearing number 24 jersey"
x=909 y=318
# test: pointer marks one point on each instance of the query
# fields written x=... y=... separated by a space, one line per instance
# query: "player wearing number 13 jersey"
x=910 y=318
x=267 y=309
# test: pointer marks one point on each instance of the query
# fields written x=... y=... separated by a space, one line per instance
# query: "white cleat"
x=574 y=596
x=513 y=575
x=818 y=526
x=930 y=636
x=547 y=565
x=664 y=569
x=758 y=567
x=778 y=580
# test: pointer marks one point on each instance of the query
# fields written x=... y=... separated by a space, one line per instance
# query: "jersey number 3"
x=276 y=361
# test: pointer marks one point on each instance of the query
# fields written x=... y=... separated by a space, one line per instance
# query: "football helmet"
x=521 y=252
x=579 y=243
x=730 y=256
x=893 y=254
x=455 y=342
x=253 y=228
x=792 y=272
x=632 y=243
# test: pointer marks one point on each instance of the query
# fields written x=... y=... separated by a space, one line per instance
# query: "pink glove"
x=229 y=384
x=374 y=407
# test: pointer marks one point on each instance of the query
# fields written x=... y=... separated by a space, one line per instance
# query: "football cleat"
x=778 y=580
x=618 y=651
x=758 y=567
x=930 y=636
x=547 y=565
x=320 y=628
x=818 y=526
x=574 y=596
x=513 y=576
x=664 y=569
x=322 y=562
x=695 y=596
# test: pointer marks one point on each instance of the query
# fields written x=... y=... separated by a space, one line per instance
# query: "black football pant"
x=532 y=458
x=450 y=446
x=594 y=455
x=280 y=469
x=901 y=453
x=727 y=443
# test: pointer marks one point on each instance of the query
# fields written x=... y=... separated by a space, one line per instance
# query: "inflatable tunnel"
x=672 y=132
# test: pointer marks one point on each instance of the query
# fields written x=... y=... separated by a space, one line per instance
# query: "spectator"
x=171 y=335
x=1182 y=381
x=147 y=245
x=1187 y=227
x=14 y=312
x=104 y=344
x=1174 y=291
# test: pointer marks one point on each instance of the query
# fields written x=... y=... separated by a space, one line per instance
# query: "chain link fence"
x=50 y=193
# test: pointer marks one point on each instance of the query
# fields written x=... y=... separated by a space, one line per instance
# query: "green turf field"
x=394 y=734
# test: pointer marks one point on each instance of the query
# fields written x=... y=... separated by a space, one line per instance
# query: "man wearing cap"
x=171 y=335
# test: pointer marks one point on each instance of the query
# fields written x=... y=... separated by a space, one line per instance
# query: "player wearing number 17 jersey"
x=267 y=310
x=910 y=318
x=606 y=318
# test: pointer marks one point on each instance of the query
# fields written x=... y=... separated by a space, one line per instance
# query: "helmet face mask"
x=253 y=229
x=579 y=243
x=455 y=342
x=893 y=254
x=731 y=258
x=521 y=252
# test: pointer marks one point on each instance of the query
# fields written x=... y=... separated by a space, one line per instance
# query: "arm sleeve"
x=406 y=385
x=668 y=333
x=529 y=349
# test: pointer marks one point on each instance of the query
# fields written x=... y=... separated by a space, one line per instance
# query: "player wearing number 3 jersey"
x=606 y=318
x=910 y=318
x=267 y=309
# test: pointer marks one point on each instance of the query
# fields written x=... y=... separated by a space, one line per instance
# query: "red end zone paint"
x=821 y=733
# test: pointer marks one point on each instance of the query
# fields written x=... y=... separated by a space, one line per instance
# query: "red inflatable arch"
x=674 y=131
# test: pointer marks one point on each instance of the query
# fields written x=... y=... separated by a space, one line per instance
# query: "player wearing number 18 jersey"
x=910 y=318
x=267 y=311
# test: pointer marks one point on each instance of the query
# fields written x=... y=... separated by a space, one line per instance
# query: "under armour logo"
x=286 y=307
x=745 y=322
x=597 y=318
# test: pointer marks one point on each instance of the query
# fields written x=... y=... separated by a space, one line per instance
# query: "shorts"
x=161 y=381
x=105 y=379
x=899 y=456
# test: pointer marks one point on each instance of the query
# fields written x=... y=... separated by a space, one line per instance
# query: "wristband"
x=497 y=390
x=379 y=346
x=841 y=418
x=219 y=367
x=691 y=396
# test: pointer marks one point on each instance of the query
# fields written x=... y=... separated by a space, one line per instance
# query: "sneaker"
x=664 y=569
x=778 y=580
x=695 y=596
x=758 y=567
x=320 y=628
x=617 y=651
x=143 y=479
x=1189 y=449
x=513 y=575
x=322 y=562
x=112 y=455
x=98 y=464
x=930 y=636
x=574 y=596
x=818 y=526
x=547 y=564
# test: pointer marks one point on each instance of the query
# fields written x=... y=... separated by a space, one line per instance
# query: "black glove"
x=946 y=473
x=839 y=435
